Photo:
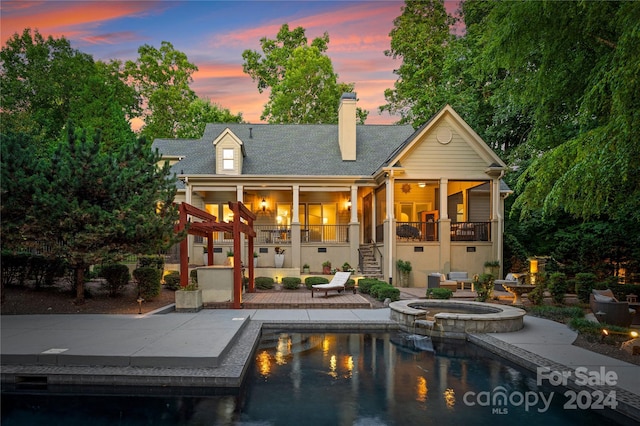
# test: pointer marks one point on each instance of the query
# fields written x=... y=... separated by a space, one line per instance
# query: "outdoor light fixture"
x=349 y=204
x=605 y=333
x=140 y=300
x=263 y=204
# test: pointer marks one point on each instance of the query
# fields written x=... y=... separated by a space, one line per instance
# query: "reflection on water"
x=327 y=379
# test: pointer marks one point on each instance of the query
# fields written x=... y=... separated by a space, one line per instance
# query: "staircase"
x=370 y=266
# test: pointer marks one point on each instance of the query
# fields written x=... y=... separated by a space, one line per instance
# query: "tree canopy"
x=45 y=83
x=304 y=88
x=87 y=203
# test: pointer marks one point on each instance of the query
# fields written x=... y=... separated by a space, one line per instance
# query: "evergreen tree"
x=94 y=204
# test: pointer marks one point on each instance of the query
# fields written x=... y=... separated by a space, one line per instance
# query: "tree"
x=201 y=112
x=40 y=78
x=421 y=36
x=46 y=83
x=303 y=85
x=578 y=70
x=93 y=204
x=162 y=77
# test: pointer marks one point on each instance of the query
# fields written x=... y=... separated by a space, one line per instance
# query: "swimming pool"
x=333 y=379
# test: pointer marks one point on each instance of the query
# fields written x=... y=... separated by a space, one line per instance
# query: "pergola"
x=205 y=228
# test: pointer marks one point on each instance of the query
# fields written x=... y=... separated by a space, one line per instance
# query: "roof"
x=289 y=149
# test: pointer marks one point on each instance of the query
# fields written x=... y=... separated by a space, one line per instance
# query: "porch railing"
x=470 y=231
x=417 y=231
x=273 y=234
x=428 y=231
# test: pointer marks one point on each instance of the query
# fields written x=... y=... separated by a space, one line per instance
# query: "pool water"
x=333 y=379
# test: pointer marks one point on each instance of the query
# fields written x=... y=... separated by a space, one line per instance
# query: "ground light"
x=140 y=300
x=605 y=333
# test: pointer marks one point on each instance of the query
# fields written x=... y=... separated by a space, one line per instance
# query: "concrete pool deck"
x=212 y=348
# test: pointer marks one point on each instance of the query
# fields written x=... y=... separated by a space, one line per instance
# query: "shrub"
x=44 y=270
x=404 y=266
x=172 y=280
x=15 y=267
x=148 y=280
x=389 y=292
x=264 y=283
x=291 y=283
x=585 y=282
x=439 y=293
x=557 y=313
x=117 y=276
x=365 y=284
x=484 y=287
x=382 y=290
x=309 y=281
x=558 y=286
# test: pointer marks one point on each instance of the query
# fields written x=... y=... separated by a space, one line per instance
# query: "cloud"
x=70 y=19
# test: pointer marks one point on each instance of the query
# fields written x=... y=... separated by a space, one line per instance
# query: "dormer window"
x=227 y=159
x=229 y=153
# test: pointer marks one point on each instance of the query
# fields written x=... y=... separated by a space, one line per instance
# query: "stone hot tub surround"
x=455 y=319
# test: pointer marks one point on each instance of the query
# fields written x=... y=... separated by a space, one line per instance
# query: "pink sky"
x=213 y=34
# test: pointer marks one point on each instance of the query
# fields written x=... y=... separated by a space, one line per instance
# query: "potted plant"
x=189 y=298
x=255 y=259
x=326 y=267
x=305 y=268
x=346 y=267
x=404 y=270
x=279 y=257
x=492 y=267
x=230 y=258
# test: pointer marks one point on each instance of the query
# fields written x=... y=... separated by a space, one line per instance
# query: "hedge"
x=291 y=283
x=263 y=283
x=439 y=293
x=172 y=280
x=309 y=281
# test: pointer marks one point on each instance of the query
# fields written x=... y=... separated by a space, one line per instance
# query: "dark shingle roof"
x=280 y=149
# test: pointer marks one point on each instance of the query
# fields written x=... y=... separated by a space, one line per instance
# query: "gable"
x=446 y=147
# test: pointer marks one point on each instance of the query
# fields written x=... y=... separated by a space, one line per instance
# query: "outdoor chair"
x=609 y=310
x=338 y=283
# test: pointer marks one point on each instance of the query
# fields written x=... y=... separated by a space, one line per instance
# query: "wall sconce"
x=263 y=204
x=349 y=204
x=533 y=266
x=422 y=184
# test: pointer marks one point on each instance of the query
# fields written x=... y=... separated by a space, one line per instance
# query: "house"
x=366 y=195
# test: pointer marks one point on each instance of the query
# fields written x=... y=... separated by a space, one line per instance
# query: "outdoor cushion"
x=601 y=298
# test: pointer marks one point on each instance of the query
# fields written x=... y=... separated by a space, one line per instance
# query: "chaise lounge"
x=338 y=283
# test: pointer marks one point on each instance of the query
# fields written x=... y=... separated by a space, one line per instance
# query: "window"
x=227 y=159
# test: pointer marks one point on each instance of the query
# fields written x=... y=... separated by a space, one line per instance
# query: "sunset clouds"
x=214 y=34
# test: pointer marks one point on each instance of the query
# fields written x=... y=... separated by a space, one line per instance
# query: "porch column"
x=497 y=224
x=187 y=199
x=445 y=228
x=246 y=257
x=354 y=228
x=295 y=229
x=390 y=237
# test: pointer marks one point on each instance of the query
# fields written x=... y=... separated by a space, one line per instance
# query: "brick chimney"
x=347 y=126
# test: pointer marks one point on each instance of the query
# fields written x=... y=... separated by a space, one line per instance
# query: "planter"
x=403 y=279
x=279 y=260
x=230 y=261
x=188 y=300
x=255 y=262
x=205 y=259
x=326 y=270
x=305 y=270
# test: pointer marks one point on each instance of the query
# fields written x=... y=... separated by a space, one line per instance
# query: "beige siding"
x=431 y=159
x=228 y=142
